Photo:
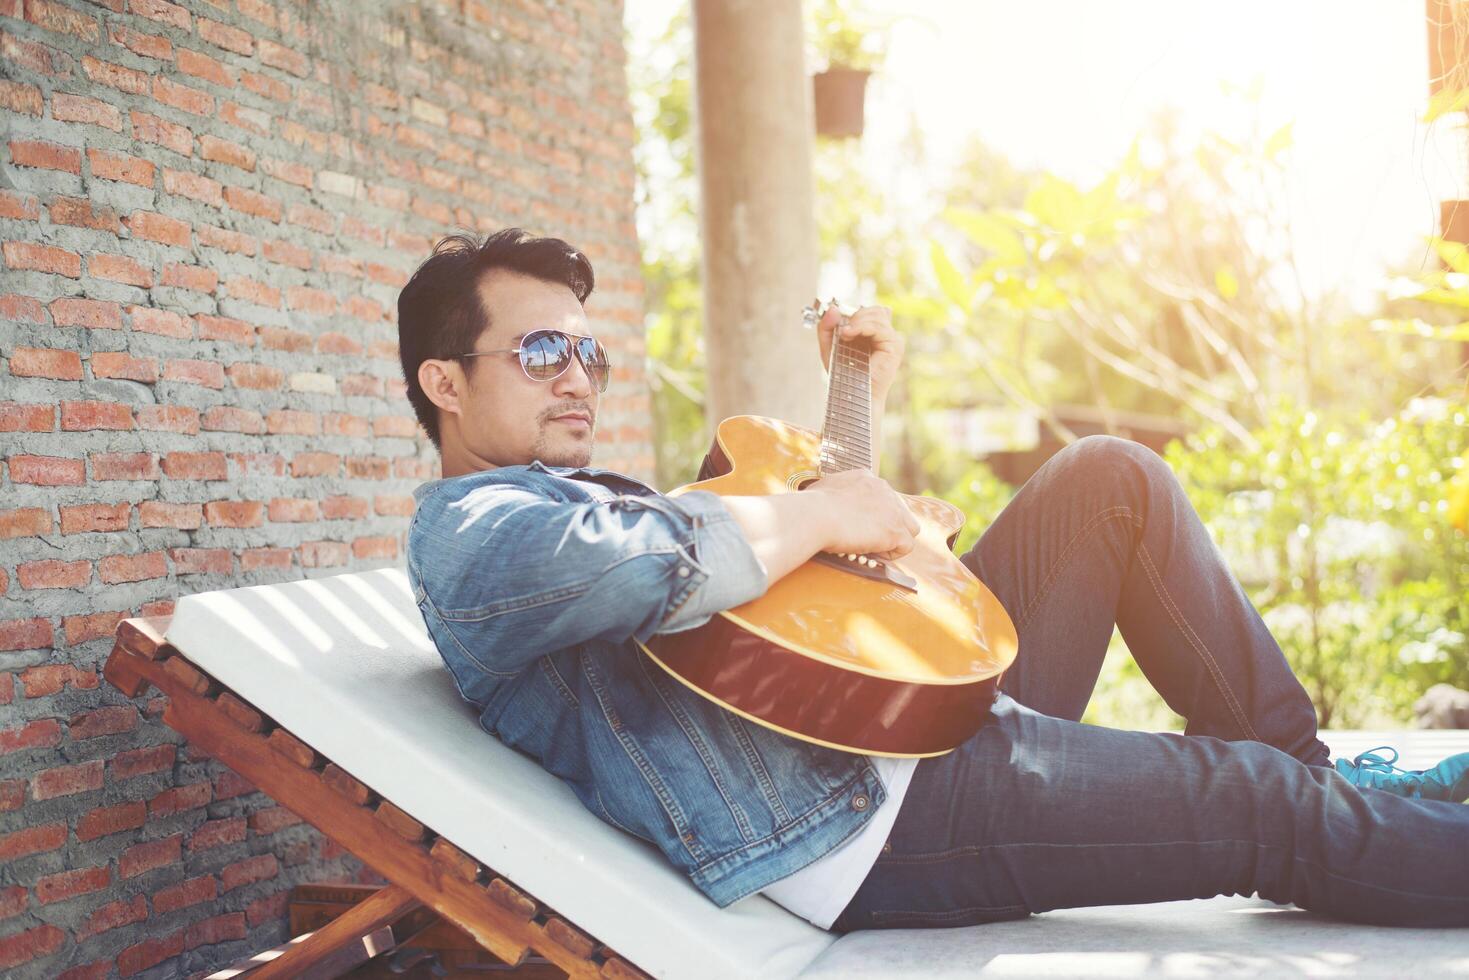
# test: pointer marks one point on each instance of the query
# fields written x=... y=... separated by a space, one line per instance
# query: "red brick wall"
x=206 y=212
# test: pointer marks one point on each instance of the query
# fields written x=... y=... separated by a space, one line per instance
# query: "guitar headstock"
x=812 y=314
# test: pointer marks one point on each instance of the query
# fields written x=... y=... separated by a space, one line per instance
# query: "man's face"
x=504 y=418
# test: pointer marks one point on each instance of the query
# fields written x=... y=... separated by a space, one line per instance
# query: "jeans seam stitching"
x=1201 y=648
x=880 y=914
x=558 y=682
x=973 y=850
x=675 y=813
x=736 y=725
x=701 y=748
x=1066 y=555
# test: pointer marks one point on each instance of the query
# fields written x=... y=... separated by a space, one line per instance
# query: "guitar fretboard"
x=846 y=435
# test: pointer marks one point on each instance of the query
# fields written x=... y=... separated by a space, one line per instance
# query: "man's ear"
x=443 y=382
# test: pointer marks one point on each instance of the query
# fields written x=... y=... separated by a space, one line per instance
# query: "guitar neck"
x=846 y=433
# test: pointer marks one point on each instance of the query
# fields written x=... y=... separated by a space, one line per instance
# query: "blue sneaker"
x=1449 y=780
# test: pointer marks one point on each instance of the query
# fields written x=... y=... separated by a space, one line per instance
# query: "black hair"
x=440 y=314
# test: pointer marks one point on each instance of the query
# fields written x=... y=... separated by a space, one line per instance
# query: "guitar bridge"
x=868 y=567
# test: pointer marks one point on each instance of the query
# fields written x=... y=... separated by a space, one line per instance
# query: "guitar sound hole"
x=806 y=482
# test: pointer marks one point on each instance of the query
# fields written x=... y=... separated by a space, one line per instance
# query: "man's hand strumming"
x=865 y=515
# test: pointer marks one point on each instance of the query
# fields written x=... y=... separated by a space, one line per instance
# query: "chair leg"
x=373 y=912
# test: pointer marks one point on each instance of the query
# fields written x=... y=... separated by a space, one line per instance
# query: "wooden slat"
x=338 y=779
x=121 y=673
x=510 y=897
x=192 y=678
x=455 y=861
x=570 y=937
x=240 y=713
x=144 y=635
x=371 y=914
x=401 y=823
x=293 y=748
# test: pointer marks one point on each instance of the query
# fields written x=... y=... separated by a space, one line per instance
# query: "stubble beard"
x=568 y=451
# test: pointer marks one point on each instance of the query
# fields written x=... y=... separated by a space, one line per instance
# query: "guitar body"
x=840 y=656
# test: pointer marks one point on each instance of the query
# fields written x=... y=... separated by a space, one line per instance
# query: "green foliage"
x=980 y=494
x=846 y=35
x=1123 y=697
x=675 y=343
x=1169 y=287
x=662 y=102
x=1446 y=288
x=1339 y=528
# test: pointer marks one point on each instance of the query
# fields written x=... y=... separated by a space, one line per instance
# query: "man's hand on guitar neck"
x=854 y=511
x=887 y=345
x=876 y=324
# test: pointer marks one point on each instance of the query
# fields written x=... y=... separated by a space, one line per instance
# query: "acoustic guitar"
x=895 y=658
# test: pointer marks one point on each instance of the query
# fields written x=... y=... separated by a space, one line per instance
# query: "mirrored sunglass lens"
x=594 y=359
x=545 y=355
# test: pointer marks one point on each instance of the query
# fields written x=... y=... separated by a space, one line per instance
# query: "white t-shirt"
x=820 y=890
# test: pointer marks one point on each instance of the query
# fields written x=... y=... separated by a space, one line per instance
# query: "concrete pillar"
x=753 y=115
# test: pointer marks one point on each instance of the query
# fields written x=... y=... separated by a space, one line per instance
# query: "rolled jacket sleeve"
x=513 y=574
x=732 y=573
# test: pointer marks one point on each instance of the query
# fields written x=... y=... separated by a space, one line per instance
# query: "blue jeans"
x=1037 y=811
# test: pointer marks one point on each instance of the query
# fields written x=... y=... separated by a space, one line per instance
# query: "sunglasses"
x=546 y=354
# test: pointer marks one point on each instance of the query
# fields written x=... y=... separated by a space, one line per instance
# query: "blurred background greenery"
x=1326 y=449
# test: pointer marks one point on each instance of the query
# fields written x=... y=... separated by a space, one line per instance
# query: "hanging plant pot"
x=840 y=95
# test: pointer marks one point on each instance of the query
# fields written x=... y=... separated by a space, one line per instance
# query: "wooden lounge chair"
x=501 y=917
x=329 y=696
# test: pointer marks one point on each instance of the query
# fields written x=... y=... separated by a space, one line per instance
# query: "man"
x=535 y=574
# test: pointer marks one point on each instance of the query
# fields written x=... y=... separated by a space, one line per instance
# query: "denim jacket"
x=534 y=582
